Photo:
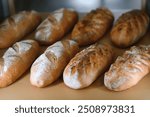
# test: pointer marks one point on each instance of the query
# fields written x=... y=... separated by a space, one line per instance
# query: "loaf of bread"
x=56 y=25
x=50 y=65
x=129 y=69
x=17 y=26
x=16 y=60
x=129 y=28
x=93 y=26
x=87 y=65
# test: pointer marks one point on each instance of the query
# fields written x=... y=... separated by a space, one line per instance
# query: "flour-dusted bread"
x=93 y=26
x=56 y=25
x=87 y=65
x=50 y=65
x=17 y=26
x=129 y=28
x=16 y=60
x=128 y=69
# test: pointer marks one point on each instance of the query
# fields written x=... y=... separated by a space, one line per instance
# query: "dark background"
x=79 y=5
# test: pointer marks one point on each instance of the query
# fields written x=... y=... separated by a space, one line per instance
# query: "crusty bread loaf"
x=129 y=69
x=87 y=65
x=56 y=25
x=50 y=65
x=129 y=28
x=17 y=26
x=16 y=60
x=93 y=26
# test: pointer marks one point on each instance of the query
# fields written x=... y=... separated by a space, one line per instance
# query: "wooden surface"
x=22 y=89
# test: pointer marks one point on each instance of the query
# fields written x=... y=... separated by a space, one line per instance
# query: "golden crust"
x=129 y=28
x=16 y=60
x=93 y=26
x=17 y=26
x=48 y=67
x=128 y=69
x=87 y=65
x=56 y=25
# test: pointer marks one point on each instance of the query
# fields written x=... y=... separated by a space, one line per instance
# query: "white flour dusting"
x=19 y=17
x=71 y=42
x=58 y=14
x=57 y=49
x=44 y=30
x=24 y=46
x=71 y=80
x=119 y=82
x=9 y=52
x=8 y=59
x=11 y=56
x=41 y=66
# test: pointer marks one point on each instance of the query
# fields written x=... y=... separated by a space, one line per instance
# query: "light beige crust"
x=17 y=26
x=128 y=69
x=129 y=28
x=16 y=60
x=87 y=65
x=93 y=26
x=50 y=65
x=56 y=25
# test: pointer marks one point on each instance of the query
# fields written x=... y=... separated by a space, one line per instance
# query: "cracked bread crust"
x=17 y=26
x=56 y=25
x=93 y=26
x=16 y=60
x=48 y=67
x=128 y=69
x=87 y=65
x=129 y=28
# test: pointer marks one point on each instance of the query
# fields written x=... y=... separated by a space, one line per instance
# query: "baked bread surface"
x=16 y=60
x=17 y=26
x=129 y=28
x=93 y=26
x=87 y=66
x=128 y=69
x=56 y=25
x=49 y=66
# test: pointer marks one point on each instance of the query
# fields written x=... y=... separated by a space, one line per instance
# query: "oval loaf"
x=93 y=26
x=17 y=26
x=56 y=25
x=87 y=65
x=16 y=60
x=129 y=28
x=50 y=65
x=128 y=69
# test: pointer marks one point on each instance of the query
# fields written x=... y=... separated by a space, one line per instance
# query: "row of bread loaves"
x=18 y=58
x=87 y=31
x=80 y=69
x=52 y=29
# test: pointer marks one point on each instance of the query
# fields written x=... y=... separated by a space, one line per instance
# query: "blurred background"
x=9 y=7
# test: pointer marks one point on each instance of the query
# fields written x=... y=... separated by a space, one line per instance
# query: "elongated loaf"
x=50 y=65
x=129 y=28
x=87 y=65
x=93 y=26
x=17 y=26
x=129 y=69
x=16 y=60
x=56 y=25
